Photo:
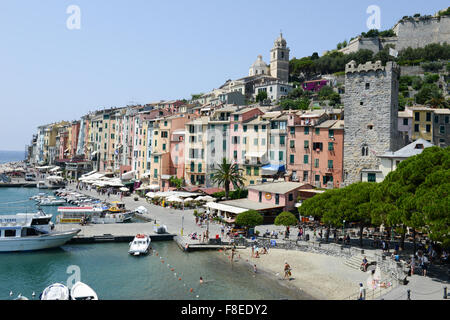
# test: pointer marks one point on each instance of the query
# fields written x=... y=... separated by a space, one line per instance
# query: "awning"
x=224 y=207
x=165 y=176
x=255 y=154
x=271 y=169
x=128 y=175
x=153 y=187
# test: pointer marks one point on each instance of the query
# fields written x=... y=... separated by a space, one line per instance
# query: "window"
x=305 y=176
x=330 y=133
x=316 y=163
x=256 y=128
x=428 y=116
x=277 y=199
x=371 y=177
x=330 y=146
x=10 y=233
x=164 y=134
x=155 y=173
x=192 y=167
x=416 y=128
x=260 y=196
x=164 y=147
x=272 y=155
x=306 y=130
x=442 y=129
x=236 y=117
x=272 y=140
x=199 y=167
x=305 y=159
x=306 y=144
x=245 y=128
x=235 y=154
x=447 y=119
x=256 y=171
x=318 y=146
x=156 y=159
x=291 y=197
x=365 y=151
x=292 y=159
x=417 y=116
x=263 y=142
x=317 y=131
x=367 y=86
x=405 y=121
x=245 y=140
x=330 y=164
x=292 y=130
x=317 y=178
x=236 y=140
x=249 y=171
x=292 y=144
x=280 y=156
x=255 y=142
x=436 y=119
x=282 y=140
x=428 y=128
x=263 y=127
x=236 y=126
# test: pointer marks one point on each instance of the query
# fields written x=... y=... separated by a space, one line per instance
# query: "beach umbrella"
x=124 y=189
x=188 y=199
x=150 y=195
x=173 y=199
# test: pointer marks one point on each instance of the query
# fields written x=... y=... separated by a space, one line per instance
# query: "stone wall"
x=419 y=32
x=371 y=116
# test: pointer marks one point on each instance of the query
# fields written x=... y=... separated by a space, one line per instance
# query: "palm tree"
x=437 y=100
x=228 y=173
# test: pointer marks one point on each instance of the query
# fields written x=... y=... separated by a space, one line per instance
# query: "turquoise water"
x=114 y=274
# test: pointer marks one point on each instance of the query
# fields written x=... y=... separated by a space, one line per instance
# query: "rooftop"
x=249 y=205
x=410 y=150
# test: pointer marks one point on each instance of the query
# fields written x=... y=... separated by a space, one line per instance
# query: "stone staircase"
x=355 y=261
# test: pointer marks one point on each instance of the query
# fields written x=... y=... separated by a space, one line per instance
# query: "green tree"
x=261 y=96
x=249 y=219
x=286 y=219
x=177 y=183
x=427 y=92
x=226 y=174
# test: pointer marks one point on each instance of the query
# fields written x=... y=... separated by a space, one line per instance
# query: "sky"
x=142 y=51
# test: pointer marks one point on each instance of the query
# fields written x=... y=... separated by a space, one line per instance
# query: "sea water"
x=114 y=274
x=11 y=156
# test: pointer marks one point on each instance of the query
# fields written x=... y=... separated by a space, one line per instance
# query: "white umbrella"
x=174 y=199
x=188 y=199
x=150 y=195
x=200 y=198
x=124 y=189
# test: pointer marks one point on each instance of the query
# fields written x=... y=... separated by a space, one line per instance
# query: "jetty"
x=188 y=245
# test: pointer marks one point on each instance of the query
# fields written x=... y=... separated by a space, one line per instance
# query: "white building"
x=391 y=160
x=275 y=89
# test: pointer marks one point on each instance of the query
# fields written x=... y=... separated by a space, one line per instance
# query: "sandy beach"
x=319 y=276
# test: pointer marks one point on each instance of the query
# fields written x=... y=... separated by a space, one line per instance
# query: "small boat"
x=160 y=229
x=56 y=291
x=51 y=202
x=41 y=185
x=140 y=245
x=81 y=291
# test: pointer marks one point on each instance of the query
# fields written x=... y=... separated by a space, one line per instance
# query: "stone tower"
x=279 y=59
x=371 y=116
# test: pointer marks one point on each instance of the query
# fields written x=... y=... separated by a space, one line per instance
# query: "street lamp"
x=182 y=223
x=343 y=232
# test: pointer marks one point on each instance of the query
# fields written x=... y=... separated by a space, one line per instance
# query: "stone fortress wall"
x=413 y=32
x=371 y=116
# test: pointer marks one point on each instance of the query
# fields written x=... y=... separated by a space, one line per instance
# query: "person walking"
x=362 y=295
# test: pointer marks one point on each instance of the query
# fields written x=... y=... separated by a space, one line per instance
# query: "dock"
x=18 y=185
x=189 y=245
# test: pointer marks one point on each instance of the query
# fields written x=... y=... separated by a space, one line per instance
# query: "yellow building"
x=422 y=123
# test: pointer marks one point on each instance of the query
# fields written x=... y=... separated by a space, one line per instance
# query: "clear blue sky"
x=142 y=51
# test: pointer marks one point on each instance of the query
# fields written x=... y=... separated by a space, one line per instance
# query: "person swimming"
x=201 y=280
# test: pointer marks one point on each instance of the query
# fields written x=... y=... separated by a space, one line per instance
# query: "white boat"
x=81 y=291
x=31 y=231
x=56 y=291
x=41 y=185
x=140 y=245
x=51 y=202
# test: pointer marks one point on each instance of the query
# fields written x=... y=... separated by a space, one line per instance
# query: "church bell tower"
x=279 y=59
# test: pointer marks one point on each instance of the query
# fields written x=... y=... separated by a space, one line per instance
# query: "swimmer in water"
x=201 y=280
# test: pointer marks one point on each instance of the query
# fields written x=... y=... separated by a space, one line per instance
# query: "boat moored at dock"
x=29 y=232
x=140 y=245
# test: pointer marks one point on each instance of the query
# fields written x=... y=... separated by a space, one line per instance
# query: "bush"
x=431 y=78
x=249 y=218
x=432 y=66
x=286 y=219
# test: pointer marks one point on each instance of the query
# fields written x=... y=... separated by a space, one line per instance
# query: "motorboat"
x=160 y=229
x=140 y=245
x=51 y=202
x=81 y=291
x=56 y=291
x=31 y=231
x=41 y=185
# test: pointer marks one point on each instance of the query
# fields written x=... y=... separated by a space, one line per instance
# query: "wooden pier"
x=106 y=238
x=194 y=245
